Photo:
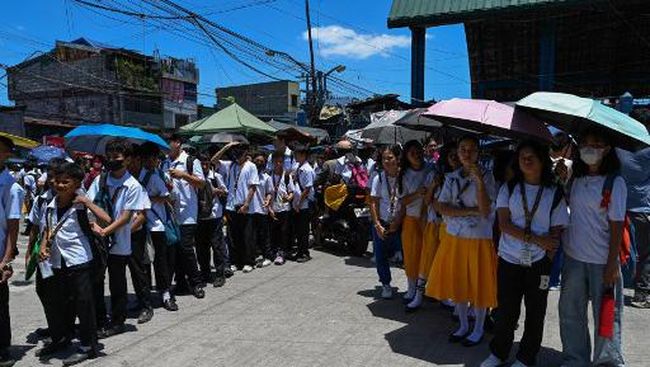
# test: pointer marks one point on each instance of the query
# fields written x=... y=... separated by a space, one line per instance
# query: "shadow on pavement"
x=19 y=351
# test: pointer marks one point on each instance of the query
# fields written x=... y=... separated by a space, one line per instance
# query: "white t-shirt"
x=238 y=180
x=384 y=188
x=131 y=196
x=187 y=200
x=216 y=180
x=343 y=168
x=510 y=248
x=412 y=181
x=157 y=215
x=588 y=234
x=36 y=213
x=11 y=204
x=263 y=188
x=474 y=226
x=290 y=163
x=281 y=186
x=304 y=180
x=70 y=242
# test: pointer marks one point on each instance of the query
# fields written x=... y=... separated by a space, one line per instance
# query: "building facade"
x=278 y=100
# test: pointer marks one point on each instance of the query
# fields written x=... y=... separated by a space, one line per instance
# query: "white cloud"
x=335 y=40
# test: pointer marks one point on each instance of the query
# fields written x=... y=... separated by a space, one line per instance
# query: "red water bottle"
x=606 y=318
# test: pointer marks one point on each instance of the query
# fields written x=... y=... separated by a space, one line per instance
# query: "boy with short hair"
x=303 y=198
x=121 y=196
x=281 y=197
x=260 y=208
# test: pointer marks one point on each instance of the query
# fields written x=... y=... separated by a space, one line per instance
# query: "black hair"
x=395 y=149
x=8 y=142
x=445 y=152
x=71 y=170
x=177 y=138
x=149 y=149
x=278 y=154
x=503 y=159
x=404 y=161
x=119 y=146
x=610 y=163
x=542 y=153
x=470 y=137
x=54 y=163
x=259 y=154
x=203 y=157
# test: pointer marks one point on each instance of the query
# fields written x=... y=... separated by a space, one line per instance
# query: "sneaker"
x=303 y=258
x=640 y=300
x=386 y=291
x=228 y=273
x=145 y=315
x=266 y=263
x=170 y=305
x=492 y=361
x=233 y=268
x=198 y=292
x=219 y=282
x=81 y=355
x=279 y=260
x=518 y=364
x=247 y=269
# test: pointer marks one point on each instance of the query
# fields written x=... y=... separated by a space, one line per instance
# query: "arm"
x=548 y=242
x=10 y=249
x=98 y=212
x=123 y=220
x=484 y=204
x=612 y=268
x=218 y=155
x=249 y=198
x=374 y=213
x=454 y=211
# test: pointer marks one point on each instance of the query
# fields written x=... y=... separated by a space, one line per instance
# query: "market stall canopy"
x=19 y=141
x=232 y=119
x=488 y=117
x=93 y=138
x=383 y=130
x=309 y=132
x=573 y=114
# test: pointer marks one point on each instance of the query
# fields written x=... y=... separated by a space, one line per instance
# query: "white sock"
x=166 y=296
x=419 y=293
x=410 y=291
x=461 y=308
x=477 y=333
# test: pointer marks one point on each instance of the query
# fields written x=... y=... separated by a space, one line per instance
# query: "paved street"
x=322 y=313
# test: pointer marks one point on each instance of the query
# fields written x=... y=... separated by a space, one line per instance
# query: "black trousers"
x=5 y=321
x=515 y=283
x=302 y=220
x=262 y=236
x=243 y=239
x=46 y=293
x=117 y=286
x=72 y=288
x=280 y=234
x=163 y=261
x=187 y=270
x=210 y=241
x=641 y=222
x=139 y=268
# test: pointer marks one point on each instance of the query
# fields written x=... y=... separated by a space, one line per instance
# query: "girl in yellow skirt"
x=412 y=189
x=448 y=162
x=464 y=269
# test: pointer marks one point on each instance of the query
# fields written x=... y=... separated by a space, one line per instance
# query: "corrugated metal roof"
x=404 y=13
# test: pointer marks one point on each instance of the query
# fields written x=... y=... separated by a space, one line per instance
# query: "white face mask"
x=591 y=156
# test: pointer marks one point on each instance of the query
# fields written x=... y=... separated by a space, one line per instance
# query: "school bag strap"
x=558 y=195
x=627 y=237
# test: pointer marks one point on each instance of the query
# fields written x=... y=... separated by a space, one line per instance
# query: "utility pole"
x=313 y=113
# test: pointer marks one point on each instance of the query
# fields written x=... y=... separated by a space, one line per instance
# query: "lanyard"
x=276 y=185
x=392 y=195
x=530 y=214
x=233 y=168
x=462 y=190
x=59 y=224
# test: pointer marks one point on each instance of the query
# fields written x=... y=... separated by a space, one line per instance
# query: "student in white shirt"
x=68 y=248
x=303 y=199
x=11 y=201
x=153 y=181
x=121 y=196
x=260 y=207
x=187 y=177
x=241 y=182
x=532 y=213
x=290 y=163
x=280 y=209
x=384 y=209
x=210 y=242
x=592 y=250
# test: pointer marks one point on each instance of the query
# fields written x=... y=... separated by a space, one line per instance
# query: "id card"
x=46 y=269
x=526 y=257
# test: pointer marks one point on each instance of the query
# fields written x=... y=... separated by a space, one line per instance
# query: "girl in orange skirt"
x=412 y=189
x=464 y=269
x=448 y=162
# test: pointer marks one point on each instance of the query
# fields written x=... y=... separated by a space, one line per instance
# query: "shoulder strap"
x=146 y=179
x=189 y=164
x=558 y=196
x=511 y=186
x=84 y=223
x=608 y=186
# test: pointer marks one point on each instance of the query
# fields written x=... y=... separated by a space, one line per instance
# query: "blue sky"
x=348 y=32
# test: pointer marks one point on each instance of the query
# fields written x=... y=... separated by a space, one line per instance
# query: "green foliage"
x=135 y=75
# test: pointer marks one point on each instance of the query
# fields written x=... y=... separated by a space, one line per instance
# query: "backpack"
x=204 y=194
x=627 y=239
x=359 y=178
x=98 y=245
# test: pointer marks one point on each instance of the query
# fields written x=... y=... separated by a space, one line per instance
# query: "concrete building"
x=11 y=120
x=278 y=100
x=84 y=81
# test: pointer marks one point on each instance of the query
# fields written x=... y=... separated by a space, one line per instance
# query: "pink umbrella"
x=488 y=117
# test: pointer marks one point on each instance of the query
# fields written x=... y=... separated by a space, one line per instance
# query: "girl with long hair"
x=597 y=198
x=464 y=269
x=532 y=213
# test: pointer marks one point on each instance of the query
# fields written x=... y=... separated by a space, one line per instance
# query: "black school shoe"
x=303 y=258
x=145 y=315
x=111 y=331
x=198 y=292
x=53 y=347
x=81 y=355
x=219 y=282
x=170 y=305
x=6 y=360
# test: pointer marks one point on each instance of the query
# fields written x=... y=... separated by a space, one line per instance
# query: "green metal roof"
x=404 y=13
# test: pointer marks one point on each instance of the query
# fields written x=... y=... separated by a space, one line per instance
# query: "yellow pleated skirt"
x=464 y=270
x=430 y=243
x=412 y=231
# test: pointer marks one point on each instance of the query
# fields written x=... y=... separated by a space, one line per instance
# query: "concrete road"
x=322 y=313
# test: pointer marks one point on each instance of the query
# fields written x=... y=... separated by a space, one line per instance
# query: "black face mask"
x=260 y=168
x=115 y=165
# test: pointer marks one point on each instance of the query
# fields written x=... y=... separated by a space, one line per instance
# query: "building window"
x=142 y=104
x=294 y=100
x=181 y=120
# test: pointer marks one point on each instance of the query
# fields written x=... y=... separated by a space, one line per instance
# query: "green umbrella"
x=573 y=114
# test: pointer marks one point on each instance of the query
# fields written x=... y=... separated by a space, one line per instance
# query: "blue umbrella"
x=93 y=138
x=45 y=153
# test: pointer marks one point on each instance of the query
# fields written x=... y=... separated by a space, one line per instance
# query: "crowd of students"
x=483 y=244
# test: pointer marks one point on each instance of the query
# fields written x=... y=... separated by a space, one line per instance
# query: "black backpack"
x=205 y=197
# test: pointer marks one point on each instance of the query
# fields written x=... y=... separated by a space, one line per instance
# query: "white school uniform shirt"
x=30 y=182
x=239 y=178
x=384 y=188
x=588 y=233
x=11 y=203
x=290 y=163
x=432 y=215
x=305 y=177
x=36 y=214
x=155 y=187
x=412 y=181
x=263 y=188
x=475 y=226
x=281 y=186
x=343 y=167
x=217 y=182
x=510 y=248
x=187 y=200
x=70 y=242
x=131 y=196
